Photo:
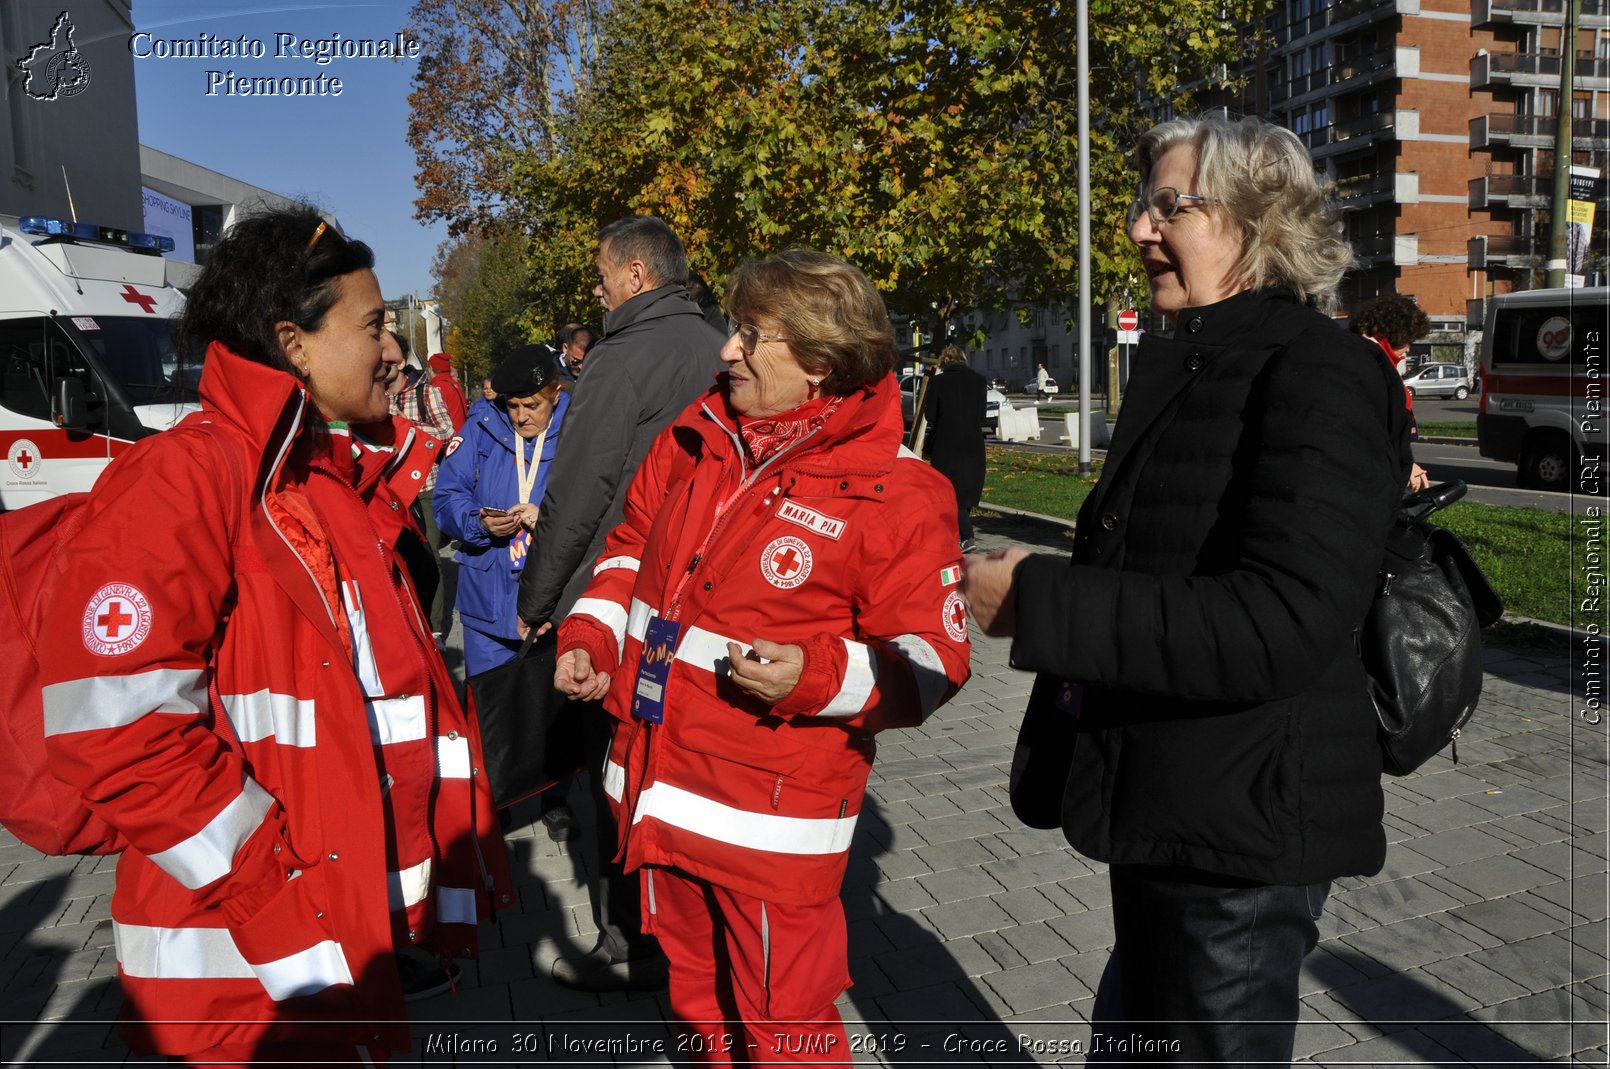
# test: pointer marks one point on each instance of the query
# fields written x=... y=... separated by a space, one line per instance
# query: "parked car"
x=1439 y=380
x=1032 y=388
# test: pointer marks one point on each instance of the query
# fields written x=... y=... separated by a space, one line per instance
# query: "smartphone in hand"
x=488 y=510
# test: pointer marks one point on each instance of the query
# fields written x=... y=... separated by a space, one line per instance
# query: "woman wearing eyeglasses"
x=242 y=683
x=1201 y=720
x=783 y=586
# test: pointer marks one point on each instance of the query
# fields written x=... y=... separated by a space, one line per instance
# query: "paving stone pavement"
x=976 y=941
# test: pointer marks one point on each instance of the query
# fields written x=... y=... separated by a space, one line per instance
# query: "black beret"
x=524 y=371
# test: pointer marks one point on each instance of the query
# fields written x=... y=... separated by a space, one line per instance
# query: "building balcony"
x=1487 y=14
x=1488 y=132
x=1344 y=16
x=1509 y=191
x=1352 y=135
x=1486 y=252
x=1343 y=76
x=1358 y=193
x=1374 y=249
x=1489 y=70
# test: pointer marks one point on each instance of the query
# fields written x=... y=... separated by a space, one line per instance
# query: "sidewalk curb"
x=1024 y=514
x=1583 y=637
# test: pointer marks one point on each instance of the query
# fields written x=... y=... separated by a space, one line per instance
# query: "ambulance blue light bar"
x=45 y=226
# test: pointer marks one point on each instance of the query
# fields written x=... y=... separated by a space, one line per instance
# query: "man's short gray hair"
x=646 y=238
x=1266 y=186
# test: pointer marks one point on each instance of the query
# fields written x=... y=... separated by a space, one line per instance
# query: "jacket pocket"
x=732 y=734
x=290 y=944
x=1210 y=783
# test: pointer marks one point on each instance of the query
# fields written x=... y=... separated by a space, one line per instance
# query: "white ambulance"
x=1543 y=386
x=87 y=360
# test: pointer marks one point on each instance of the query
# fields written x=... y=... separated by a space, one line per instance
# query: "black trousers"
x=1203 y=969
x=617 y=896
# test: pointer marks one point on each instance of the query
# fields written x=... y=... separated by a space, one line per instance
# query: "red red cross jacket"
x=845 y=544
x=303 y=798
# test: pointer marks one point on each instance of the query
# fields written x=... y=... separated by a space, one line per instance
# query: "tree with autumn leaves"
x=931 y=142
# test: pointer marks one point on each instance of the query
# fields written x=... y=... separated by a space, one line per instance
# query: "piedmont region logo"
x=24 y=458
x=55 y=68
x=786 y=562
x=116 y=620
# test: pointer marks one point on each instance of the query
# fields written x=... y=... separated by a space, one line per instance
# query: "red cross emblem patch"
x=786 y=562
x=116 y=620
x=955 y=616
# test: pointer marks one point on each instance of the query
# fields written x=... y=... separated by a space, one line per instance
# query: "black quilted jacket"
x=1219 y=571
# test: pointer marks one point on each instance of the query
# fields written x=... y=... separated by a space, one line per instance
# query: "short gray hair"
x=646 y=238
x=1265 y=183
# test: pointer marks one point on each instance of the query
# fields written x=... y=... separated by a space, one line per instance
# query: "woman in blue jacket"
x=487 y=494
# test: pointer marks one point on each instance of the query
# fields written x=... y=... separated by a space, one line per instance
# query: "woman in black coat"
x=954 y=409
x=1201 y=720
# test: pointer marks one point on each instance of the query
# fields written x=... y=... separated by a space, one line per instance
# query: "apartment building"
x=1513 y=142
x=1431 y=116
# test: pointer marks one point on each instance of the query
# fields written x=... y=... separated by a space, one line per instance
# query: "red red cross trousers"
x=134 y=296
x=114 y=620
x=785 y=562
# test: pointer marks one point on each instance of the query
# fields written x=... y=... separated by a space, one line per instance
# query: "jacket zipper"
x=746 y=483
x=433 y=713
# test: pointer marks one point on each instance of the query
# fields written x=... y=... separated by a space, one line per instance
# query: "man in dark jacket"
x=657 y=354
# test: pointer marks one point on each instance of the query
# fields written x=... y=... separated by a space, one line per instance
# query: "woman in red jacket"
x=242 y=683
x=782 y=587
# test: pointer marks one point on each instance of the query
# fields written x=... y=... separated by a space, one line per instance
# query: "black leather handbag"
x=1421 y=639
x=531 y=734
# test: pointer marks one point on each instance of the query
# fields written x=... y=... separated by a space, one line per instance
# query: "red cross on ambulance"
x=134 y=296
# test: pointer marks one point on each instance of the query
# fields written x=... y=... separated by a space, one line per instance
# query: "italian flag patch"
x=950 y=576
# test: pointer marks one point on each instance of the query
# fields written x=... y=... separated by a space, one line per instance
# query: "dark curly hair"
x=1393 y=317
x=269 y=268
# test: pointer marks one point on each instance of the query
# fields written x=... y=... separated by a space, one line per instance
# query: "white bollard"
x=1017 y=424
x=1099 y=437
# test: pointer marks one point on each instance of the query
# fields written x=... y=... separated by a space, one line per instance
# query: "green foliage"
x=494 y=312
x=931 y=142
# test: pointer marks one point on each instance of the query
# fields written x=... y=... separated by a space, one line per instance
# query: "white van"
x=1544 y=372
x=87 y=361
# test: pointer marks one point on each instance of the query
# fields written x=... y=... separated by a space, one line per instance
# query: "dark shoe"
x=423 y=977
x=597 y=970
x=969 y=544
x=560 y=821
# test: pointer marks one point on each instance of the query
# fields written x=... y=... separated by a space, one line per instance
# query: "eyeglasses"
x=750 y=336
x=1163 y=204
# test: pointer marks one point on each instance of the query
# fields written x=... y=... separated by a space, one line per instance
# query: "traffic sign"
x=1128 y=319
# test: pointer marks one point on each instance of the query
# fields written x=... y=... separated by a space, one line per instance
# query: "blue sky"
x=348 y=154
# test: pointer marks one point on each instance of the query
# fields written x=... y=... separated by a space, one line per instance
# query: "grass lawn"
x=1525 y=552
x=1047 y=483
x=1448 y=430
